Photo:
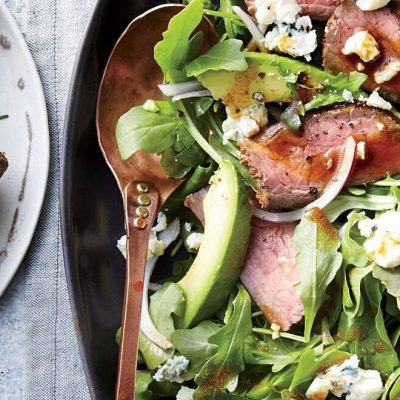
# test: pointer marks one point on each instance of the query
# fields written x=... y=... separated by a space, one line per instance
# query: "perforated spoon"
x=130 y=78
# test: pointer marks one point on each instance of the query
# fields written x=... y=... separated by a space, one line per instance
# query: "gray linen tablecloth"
x=39 y=357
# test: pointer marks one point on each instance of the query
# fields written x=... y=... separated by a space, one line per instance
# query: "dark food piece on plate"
x=316 y=9
x=292 y=169
x=383 y=24
x=270 y=270
x=3 y=163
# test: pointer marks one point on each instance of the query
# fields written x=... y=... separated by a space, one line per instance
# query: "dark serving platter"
x=91 y=209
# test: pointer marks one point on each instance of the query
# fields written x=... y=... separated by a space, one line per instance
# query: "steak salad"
x=284 y=238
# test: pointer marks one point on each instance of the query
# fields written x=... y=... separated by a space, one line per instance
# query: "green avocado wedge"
x=274 y=78
x=215 y=270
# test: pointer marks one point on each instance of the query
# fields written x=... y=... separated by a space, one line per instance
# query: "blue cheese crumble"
x=173 y=370
x=347 y=378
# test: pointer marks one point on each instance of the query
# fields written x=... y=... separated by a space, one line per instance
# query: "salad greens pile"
x=351 y=304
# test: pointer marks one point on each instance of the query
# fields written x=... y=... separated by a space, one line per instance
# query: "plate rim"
x=26 y=54
x=64 y=199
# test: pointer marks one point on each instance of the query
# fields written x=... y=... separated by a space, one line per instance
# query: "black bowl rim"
x=70 y=116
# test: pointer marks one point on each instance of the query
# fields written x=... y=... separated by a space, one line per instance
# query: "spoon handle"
x=141 y=206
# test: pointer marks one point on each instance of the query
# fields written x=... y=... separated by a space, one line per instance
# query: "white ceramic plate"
x=24 y=137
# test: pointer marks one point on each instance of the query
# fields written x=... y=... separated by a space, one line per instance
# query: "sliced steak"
x=3 y=163
x=382 y=24
x=270 y=270
x=292 y=169
x=316 y=9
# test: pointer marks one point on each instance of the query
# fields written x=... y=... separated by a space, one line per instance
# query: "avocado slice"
x=268 y=75
x=215 y=270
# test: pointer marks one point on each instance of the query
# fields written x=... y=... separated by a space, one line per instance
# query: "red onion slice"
x=188 y=95
x=175 y=89
x=252 y=27
x=331 y=191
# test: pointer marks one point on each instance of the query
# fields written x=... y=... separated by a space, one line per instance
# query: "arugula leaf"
x=153 y=132
x=395 y=391
x=334 y=87
x=353 y=252
x=202 y=105
x=171 y=166
x=164 y=304
x=276 y=352
x=143 y=380
x=353 y=305
x=319 y=260
x=194 y=345
x=344 y=202
x=311 y=362
x=172 y=52
x=218 y=146
x=270 y=387
x=222 y=370
x=232 y=28
x=366 y=333
x=392 y=380
x=196 y=181
x=225 y=55
x=390 y=277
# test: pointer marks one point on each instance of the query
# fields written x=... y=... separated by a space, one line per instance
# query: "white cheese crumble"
x=388 y=72
x=363 y=44
x=348 y=96
x=245 y=123
x=187 y=226
x=370 y=5
x=280 y=11
x=151 y=105
x=185 y=393
x=380 y=126
x=156 y=247
x=172 y=370
x=375 y=100
x=361 y=146
x=347 y=378
x=276 y=331
x=383 y=243
x=194 y=240
x=299 y=41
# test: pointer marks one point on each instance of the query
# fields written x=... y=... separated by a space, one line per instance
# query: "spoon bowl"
x=130 y=78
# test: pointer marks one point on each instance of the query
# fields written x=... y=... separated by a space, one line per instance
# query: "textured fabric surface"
x=51 y=367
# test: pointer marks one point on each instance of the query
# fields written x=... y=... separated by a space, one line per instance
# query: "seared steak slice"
x=292 y=169
x=316 y=9
x=382 y=24
x=270 y=270
x=3 y=163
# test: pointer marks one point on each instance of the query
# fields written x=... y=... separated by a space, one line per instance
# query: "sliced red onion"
x=332 y=190
x=251 y=26
x=175 y=89
x=146 y=323
x=188 y=95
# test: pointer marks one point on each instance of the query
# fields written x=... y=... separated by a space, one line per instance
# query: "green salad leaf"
x=221 y=371
x=390 y=278
x=344 y=202
x=172 y=52
x=226 y=55
x=366 y=332
x=194 y=343
x=232 y=28
x=319 y=261
x=352 y=250
x=334 y=87
x=164 y=304
x=154 y=132
x=312 y=361
x=143 y=380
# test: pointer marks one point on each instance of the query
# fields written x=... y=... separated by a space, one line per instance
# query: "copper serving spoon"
x=130 y=78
